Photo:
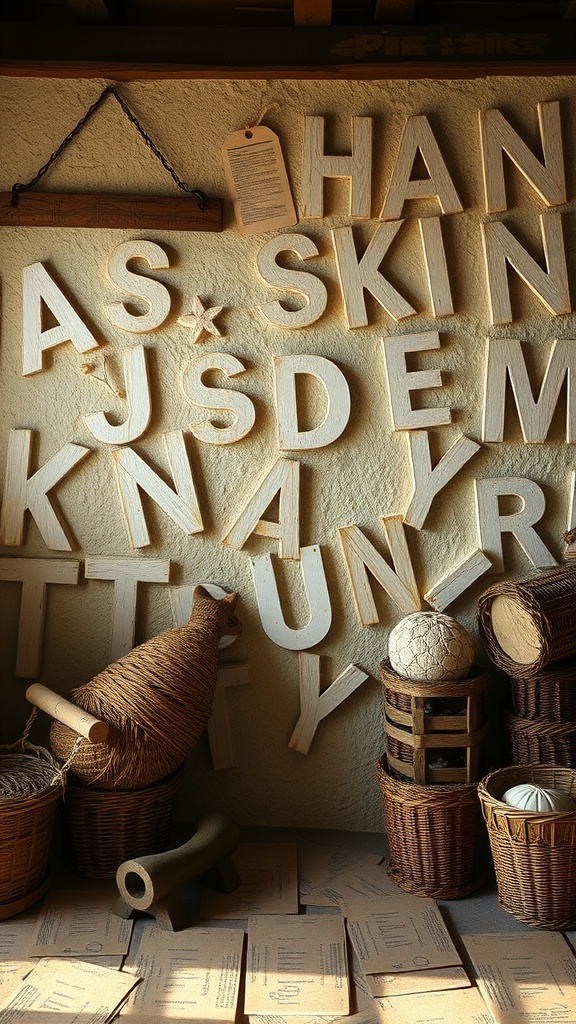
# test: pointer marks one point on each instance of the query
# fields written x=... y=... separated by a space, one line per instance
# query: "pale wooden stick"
x=66 y=713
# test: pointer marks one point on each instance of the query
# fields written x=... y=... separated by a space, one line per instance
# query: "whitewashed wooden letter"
x=505 y=357
x=38 y=288
x=455 y=582
x=283 y=478
x=570 y=551
x=502 y=248
x=153 y=293
x=355 y=275
x=308 y=285
x=497 y=137
x=429 y=482
x=338 y=402
x=401 y=381
x=418 y=136
x=362 y=557
x=34 y=574
x=314 y=706
x=137 y=388
x=126 y=573
x=181 y=505
x=436 y=266
x=234 y=402
x=219 y=726
x=271 y=616
x=491 y=524
x=23 y=493
x=317 y=165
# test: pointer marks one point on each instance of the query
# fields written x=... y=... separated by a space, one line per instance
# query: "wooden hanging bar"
x=142 y=212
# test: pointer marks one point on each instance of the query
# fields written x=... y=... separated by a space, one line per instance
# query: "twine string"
x=19 y=187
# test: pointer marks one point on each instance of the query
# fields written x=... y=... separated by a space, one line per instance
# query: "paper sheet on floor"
x=408 y=933
x=296 y=965
x=269 y=873
x=193 y=975
x=74 y=922
x=436 y=979
x=525 y=977
x=64 y=991
x=465 y=1006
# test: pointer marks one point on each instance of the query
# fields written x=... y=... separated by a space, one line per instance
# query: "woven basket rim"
x=421 y=792
x=516 y=813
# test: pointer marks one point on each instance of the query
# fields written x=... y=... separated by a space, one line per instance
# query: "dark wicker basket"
x=540 y=741
x=547 y=605
x=551 y=694
x=106 y=827
x=435 y=836
x=534 y=854
x=426 y=719
x=26 y=829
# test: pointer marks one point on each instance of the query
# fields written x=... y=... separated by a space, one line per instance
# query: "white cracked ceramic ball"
x=430 y=646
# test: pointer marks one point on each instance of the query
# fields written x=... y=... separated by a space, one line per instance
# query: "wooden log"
x=76 y=210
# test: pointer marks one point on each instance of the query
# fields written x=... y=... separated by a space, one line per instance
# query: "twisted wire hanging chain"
x=108 y=91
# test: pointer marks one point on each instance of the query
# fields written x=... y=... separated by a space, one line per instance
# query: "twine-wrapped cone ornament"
x=157 y=700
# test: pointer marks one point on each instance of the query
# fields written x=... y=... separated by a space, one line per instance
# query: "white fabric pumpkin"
x=528 y=797
x=431 y=647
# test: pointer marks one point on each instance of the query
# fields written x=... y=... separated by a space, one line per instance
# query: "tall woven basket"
x=30 y=785
x=107 y=827
x=435 y=835
x=534 y=854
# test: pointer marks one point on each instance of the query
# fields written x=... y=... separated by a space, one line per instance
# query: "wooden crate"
x=414 y=734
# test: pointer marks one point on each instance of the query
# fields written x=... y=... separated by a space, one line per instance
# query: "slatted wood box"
x=419 y=727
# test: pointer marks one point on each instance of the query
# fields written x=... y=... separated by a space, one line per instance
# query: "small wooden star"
x=200 y=319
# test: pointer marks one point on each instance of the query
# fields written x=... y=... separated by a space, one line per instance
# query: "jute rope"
x=26 y=769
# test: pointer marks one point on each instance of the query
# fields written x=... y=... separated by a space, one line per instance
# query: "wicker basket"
x=424 y=720
x=534 y=854
x=26 y=829
x=528 y=625
x=540 y=741
x=107 y=827
x=551 y=694
x=435 y=835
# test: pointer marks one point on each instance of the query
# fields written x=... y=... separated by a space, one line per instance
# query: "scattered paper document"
x=193 y=975
x=407 y=934
x=66 y=992
x=16 y=936
x=525 y=977
x=77 y=922
x=269 y=873
x=296 y=965
x=436 y=979
x=465 y=1006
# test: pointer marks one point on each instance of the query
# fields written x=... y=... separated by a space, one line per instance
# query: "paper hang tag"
x=257 y=180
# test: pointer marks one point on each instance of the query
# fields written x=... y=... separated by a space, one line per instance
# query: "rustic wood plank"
x=77 y=210
x=219 y=724
x=312 y=12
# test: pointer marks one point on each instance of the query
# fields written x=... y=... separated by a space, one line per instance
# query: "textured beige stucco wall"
x=360 y=478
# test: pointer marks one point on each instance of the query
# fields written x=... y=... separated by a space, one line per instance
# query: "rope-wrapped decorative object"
x=157 y=700
x=435 y=835
x=530 y=624
x=534 y=854
x=30 y=785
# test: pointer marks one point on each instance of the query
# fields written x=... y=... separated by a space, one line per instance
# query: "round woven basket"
x=540 y=741
x=534 y=854
x=26 y=827
x=435 y=835
x=527 y=625
x=551 y=694
x=106 y=827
